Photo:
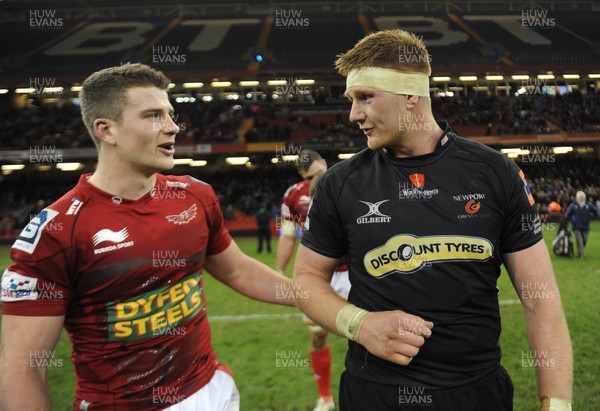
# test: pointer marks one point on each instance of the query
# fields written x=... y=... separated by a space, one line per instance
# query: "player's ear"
x=411 y=102
x=103 y=131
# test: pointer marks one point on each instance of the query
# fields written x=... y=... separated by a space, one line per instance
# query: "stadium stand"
x=192 y=45
x=218 y=121
x=207 y=41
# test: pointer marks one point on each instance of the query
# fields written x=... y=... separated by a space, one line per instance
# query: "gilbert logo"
x=184 y=217
x=108 y=235
x=418 y=180
x=373 y=211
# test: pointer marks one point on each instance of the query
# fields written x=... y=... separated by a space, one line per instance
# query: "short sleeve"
x=288 y=212
x=324 y=231
x=219 y=237
x=522 y=227
x=38 y=283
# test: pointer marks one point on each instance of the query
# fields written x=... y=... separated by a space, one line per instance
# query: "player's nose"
x=357 y=115
x=170 y=126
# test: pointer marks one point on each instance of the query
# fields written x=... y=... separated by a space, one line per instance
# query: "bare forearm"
x=23 y=390
x=285 y=248
x=321 y=303
x=262 y=283
x=551 y=350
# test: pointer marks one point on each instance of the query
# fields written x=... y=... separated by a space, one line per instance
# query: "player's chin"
x=165 y=163
x=374 y=143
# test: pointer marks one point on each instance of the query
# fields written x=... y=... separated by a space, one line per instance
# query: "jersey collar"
x=109 y=198
x=444 y=142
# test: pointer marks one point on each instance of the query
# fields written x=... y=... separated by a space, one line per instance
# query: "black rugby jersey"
x=425 y=235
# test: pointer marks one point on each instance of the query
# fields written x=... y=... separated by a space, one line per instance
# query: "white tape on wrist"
x=555 y=404
x=349 y=319
x=288 y=228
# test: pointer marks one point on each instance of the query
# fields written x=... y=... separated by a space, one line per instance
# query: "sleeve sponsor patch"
x=526 y=187
x=17 y=287
x=31 y=234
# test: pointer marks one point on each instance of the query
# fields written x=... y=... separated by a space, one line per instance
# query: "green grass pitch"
x=251 y=346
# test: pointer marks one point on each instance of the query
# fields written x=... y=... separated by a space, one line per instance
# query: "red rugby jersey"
x=127 y=275
x=295 y=203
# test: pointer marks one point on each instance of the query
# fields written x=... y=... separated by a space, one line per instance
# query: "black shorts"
x=493 y=393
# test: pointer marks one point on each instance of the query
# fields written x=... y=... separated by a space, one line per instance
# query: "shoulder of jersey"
x=342 y=168
x=491 y=157
x=295 y=188
x=187 y=183
x=70 y=204
x=54 y=223
x=479 y=149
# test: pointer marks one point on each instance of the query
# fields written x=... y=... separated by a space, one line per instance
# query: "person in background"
x=295 y=205
x=579 y=214
x=263 y=222
x=320 y=353
x=553 y=207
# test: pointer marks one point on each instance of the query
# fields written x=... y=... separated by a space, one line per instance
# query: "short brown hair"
x=396 y=49
x=103 y=94
x=306 y=157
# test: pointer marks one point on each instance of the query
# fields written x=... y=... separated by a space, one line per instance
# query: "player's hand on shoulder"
x=394 y=335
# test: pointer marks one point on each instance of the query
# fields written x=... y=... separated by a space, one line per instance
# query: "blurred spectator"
x=579 y=213
x=219 y=121
x=553 y=207
x=263 y=222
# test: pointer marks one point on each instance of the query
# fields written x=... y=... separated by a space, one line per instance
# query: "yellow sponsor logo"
x=406 y=253
x=155 y=312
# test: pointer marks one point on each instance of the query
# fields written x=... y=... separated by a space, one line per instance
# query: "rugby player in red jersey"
x=118 y=261
x=294 y=210
x=295 y=205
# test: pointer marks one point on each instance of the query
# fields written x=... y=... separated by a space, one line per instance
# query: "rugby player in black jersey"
x=425 y=219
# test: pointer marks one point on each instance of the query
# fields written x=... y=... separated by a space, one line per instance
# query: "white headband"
x=393 y=81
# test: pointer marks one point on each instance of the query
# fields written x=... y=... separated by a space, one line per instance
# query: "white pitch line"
x=509 y=302
x=251 y=317
x=217 y=318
